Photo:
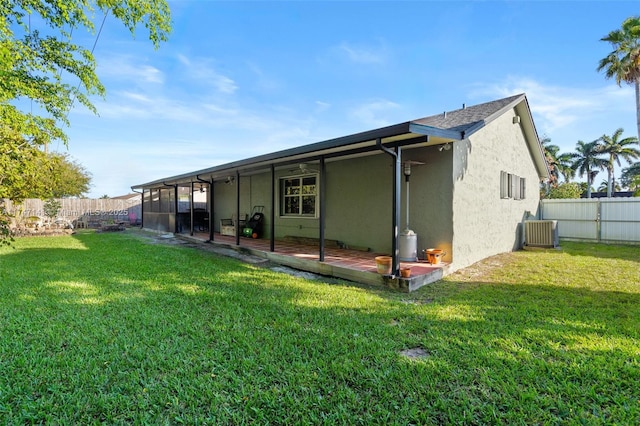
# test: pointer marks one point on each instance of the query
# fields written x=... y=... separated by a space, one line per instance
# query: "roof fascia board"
x=406 y=142
x=421 y=129
x=533 y=139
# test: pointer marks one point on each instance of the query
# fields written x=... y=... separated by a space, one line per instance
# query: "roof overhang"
x=365 y=143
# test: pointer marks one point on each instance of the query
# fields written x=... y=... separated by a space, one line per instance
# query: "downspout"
x=395 y=212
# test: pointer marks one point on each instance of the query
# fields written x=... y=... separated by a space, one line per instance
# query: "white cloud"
x=374 y=114
x=361 y=54
x=202 y=70
x=138 y=97
x=322 y=106
x=263 y=81
x=124 y=67
x=567 y=110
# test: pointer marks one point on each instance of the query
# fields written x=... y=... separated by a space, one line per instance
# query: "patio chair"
x=82 y=222
x=228 y=226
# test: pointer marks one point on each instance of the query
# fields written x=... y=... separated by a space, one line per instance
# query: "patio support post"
x=175 y=209
x=322 y=207
x=211 y=210
x=237 y=208
x=272 y=224
x=191 y=210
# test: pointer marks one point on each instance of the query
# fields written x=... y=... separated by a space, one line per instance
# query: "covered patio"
x=304 y=192
x=349 y=264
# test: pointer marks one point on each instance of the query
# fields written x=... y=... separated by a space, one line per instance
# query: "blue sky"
x=239 y=79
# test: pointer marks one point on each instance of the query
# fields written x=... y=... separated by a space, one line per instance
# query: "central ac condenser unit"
x=541 y=233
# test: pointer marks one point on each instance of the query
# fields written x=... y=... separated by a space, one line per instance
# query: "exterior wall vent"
x=541 y=233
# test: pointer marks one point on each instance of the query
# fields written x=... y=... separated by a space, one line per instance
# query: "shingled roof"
x=468 y=118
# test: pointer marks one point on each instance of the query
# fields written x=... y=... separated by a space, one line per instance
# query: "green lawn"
x=111 y=328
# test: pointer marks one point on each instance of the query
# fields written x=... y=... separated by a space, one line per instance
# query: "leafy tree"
x=42 y=67
x=68 y=178
x=587 y=161
x=623 y=62
x=616 y=149
x=634 y=185
x=629 y=174
x=565 y=190
x=21 y=166
x=51 y=208
x=104 y=196
x=53 y=72
x=30 y=173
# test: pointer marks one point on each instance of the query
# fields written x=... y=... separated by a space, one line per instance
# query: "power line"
x=93 y=48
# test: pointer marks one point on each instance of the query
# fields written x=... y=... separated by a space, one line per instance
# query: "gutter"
x=395 y=213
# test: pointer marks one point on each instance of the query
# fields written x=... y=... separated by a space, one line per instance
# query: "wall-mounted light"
x=407 y=168
x=446 y=147
x=516 y=119
x=229 y=180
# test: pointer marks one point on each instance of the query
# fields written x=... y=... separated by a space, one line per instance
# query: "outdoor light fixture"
x=446 y=147
x=407 y=168
x=229 y=180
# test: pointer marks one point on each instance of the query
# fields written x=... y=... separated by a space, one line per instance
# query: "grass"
x=111 y=328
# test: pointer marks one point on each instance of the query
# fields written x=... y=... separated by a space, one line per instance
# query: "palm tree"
x=586 y=161
x=559 y=164
x=623 y=63
x=563 y=163
x=617 y=149
x=604 y=186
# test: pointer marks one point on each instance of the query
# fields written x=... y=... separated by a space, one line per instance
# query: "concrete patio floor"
x=353 y=265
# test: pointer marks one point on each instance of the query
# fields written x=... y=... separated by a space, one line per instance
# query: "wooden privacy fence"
x=595 y=219
x=86 y=210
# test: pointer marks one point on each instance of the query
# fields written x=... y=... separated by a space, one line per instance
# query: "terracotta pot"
x=434 y=255
x=383 y=264
x=405 y=272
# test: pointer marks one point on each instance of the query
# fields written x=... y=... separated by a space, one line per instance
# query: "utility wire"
x=93 y=48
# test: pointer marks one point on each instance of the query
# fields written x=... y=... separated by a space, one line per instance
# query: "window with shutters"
x=512 y=186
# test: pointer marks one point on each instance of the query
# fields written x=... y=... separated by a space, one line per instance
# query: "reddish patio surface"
x=354 y=260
